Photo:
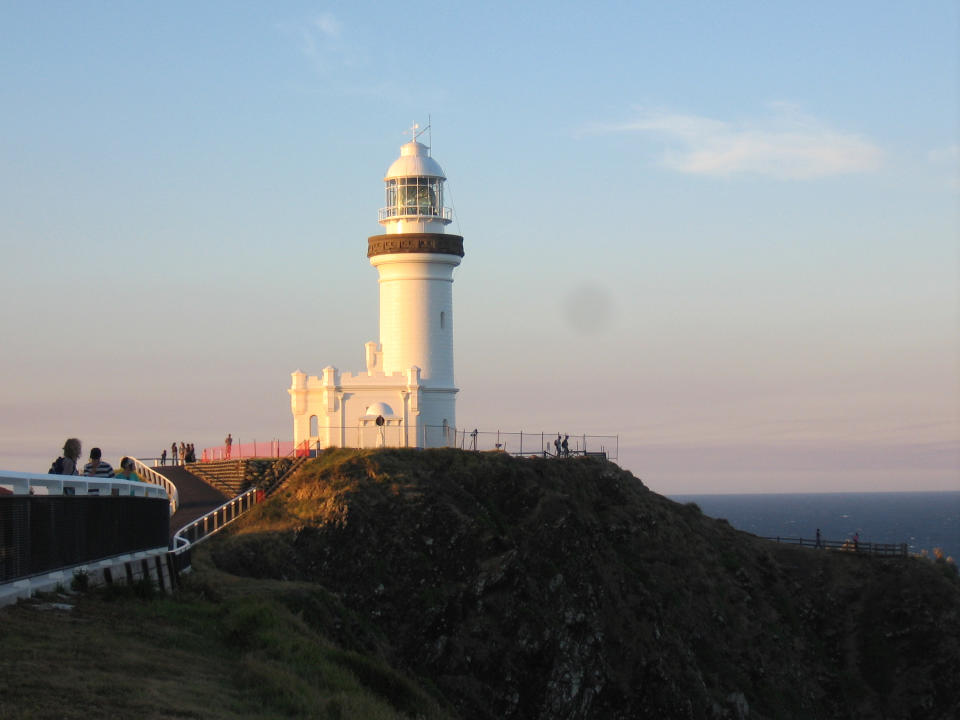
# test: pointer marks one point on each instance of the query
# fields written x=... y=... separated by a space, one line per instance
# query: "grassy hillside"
x=222 y=647
x=442 y=584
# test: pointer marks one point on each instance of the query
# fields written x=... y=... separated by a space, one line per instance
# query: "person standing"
x=183 y=453
x=556 y=444
x=67 y=464
x=565 y=445
x=818 y=539
x=228 y=441
x=163 y=457
x=97 y=467
x=173 y=454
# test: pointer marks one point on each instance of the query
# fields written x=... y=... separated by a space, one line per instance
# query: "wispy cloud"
x=319 y=40
x=327 y=24
x=784 y=144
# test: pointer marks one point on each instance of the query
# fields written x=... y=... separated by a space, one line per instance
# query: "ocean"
x=923 y=520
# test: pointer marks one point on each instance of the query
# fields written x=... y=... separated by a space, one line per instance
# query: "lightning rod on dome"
x=416 y=131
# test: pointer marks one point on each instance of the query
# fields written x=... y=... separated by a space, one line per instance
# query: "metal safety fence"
x=848 y=545
x=39 y=533
x=542 y=444
x=238 y=451
x=426 y=436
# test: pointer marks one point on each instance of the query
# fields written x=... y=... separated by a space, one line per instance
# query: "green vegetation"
x=80 y=581
x=222 y=647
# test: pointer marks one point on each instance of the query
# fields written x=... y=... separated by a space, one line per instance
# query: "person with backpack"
x=66 y=464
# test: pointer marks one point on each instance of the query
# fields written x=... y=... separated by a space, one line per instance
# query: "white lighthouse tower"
x=407 y=396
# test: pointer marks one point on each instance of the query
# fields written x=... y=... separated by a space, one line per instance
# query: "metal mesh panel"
x=43 y=533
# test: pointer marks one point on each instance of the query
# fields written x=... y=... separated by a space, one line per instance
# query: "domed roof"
x=378 y=408
x=414 y=161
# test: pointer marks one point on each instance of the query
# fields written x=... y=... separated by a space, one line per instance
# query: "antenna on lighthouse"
x=416 y=131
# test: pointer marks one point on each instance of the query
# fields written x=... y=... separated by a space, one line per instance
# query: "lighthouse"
x=407 y=395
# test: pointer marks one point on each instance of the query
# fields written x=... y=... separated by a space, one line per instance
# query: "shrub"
x=81 y=581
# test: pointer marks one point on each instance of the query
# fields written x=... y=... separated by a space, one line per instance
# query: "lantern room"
x=414 y=193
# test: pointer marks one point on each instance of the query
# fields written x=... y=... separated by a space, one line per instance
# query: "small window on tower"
x=443 y=323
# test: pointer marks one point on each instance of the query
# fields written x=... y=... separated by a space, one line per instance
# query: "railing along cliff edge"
x=211 y=523
x=848 y=545
x=147 y=474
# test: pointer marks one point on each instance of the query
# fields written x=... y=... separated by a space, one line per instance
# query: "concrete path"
x=196 y=497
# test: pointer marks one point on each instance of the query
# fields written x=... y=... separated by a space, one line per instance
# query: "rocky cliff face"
x=544 y=588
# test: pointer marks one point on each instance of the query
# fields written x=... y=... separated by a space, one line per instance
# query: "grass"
x=222 y=647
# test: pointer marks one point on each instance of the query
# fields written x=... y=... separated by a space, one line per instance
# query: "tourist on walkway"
x=556 y=444
x=565 y=445
x=67 y=464
x=163 y=457
x=173 y=453
x=127 y=471
x=818 y=539
x=228 y=441
x=97 y=467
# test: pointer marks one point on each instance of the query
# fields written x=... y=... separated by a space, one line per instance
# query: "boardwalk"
x=197 y=498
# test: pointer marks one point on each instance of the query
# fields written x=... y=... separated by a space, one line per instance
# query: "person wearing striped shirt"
x=97 y=467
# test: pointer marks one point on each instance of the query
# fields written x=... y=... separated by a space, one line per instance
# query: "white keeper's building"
x=406 y=397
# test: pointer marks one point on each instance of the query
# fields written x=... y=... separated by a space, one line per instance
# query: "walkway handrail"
x=215 y=520
x=22 y=483
x=151 y=476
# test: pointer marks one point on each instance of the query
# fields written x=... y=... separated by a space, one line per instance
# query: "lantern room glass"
x=415 y=196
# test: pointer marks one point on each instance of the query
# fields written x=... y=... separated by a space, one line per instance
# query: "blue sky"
x=726 y=232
